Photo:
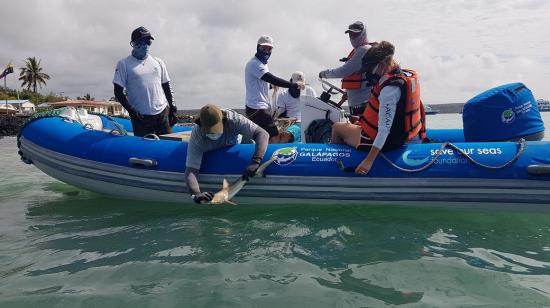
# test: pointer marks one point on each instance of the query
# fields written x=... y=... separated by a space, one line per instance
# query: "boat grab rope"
x=119 y=130
x=521 y=148
x=38 y=116
x=428 y=165
x=520 y=143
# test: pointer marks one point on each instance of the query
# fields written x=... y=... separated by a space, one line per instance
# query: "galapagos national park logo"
x=508 y=116
x=285 y=156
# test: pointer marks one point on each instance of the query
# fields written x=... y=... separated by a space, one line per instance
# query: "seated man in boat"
x=257 y=80
x=394 y=114
x=214 y=129
x=288 y=104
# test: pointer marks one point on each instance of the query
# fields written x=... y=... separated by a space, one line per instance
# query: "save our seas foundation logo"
x=416 y=158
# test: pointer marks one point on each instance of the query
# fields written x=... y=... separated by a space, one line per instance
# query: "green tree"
x=86 y=97
x=32 y=74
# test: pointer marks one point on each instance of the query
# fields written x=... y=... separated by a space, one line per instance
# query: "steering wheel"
x=330 y=88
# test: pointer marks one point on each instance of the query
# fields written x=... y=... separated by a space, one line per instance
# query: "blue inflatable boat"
x=100 y=154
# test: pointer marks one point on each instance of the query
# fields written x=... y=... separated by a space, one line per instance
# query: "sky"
x=458 y=47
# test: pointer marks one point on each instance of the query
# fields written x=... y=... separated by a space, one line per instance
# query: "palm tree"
x=32 y=75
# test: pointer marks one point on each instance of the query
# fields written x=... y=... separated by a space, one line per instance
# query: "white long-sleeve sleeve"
x=389 y=97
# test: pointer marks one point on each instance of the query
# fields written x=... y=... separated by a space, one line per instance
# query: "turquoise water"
x=65 y=247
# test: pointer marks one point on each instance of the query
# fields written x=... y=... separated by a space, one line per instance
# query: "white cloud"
x=459 y=48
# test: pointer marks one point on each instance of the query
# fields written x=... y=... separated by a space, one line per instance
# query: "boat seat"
x=179 y=136
x=93 y=120
x=90 y=121
x=284 y=123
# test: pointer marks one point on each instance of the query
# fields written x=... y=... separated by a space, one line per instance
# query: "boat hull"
x=99 y=161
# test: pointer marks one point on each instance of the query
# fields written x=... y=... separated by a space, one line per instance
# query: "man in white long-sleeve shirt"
x=394 y=114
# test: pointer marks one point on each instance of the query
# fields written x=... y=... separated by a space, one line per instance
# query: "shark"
x=229 y=190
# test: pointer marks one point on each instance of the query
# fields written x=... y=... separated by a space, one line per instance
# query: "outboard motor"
x=505 y=113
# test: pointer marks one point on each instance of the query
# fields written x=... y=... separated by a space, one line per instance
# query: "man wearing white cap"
x=288 y=101
x=353 y=81
x=288 y=104
x=257 y=79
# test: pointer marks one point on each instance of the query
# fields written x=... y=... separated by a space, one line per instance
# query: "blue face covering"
x=141 y=48
x=262 y=56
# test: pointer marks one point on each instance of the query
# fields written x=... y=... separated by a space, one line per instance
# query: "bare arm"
x=191 y=180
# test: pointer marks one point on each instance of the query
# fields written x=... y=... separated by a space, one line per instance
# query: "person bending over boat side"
x=354 y=83
x=150 y=100
x=394 y=113
x=214 y=129
x=257 y=79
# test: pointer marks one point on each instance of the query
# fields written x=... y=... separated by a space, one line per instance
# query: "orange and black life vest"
x=409 y=109
x=352 y=81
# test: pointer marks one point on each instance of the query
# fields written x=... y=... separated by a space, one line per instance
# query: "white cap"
x=298 y=76
x=265 y=40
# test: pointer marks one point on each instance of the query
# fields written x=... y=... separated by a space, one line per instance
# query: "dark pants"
x=263 y=119
x=157 y=124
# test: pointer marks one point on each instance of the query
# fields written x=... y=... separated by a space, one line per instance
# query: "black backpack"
x=319 y=131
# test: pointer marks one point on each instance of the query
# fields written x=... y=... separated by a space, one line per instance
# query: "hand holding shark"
x=228 y=190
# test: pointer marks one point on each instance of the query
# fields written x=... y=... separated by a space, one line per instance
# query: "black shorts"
x=158 y=124
x=263 y=119
x=365 y=143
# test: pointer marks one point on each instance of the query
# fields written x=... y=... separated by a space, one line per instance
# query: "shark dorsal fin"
x=225 y=184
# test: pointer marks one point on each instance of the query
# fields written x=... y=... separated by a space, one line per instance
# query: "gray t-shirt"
x=361 y=95
x=234 y=125
x=257 y=90
x=143 y=80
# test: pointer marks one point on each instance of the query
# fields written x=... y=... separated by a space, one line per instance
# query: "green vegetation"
x=7 y=93
x=86 y=97
x=32 y=74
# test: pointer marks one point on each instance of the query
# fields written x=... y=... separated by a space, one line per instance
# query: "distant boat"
x=544 y=105
x=429 y=110
x=7 y=109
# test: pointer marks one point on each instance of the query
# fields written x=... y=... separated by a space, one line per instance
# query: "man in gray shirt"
x=353 y=81
x=214 y=129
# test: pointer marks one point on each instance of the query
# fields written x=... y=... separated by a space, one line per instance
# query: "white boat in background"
x=430 y=110
x=7 y=109
x=543 y=105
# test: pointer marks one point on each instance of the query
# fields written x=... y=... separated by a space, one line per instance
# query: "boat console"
x=315 y=108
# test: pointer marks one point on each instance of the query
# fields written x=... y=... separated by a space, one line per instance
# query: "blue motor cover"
x=505 y=112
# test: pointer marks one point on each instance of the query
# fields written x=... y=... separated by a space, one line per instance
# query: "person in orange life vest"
x=394 y=114
x=353 y=82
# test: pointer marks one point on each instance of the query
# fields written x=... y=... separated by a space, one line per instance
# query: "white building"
x=104 y=107
x=22 y=105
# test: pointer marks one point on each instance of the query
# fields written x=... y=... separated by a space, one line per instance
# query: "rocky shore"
x=10 y=124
